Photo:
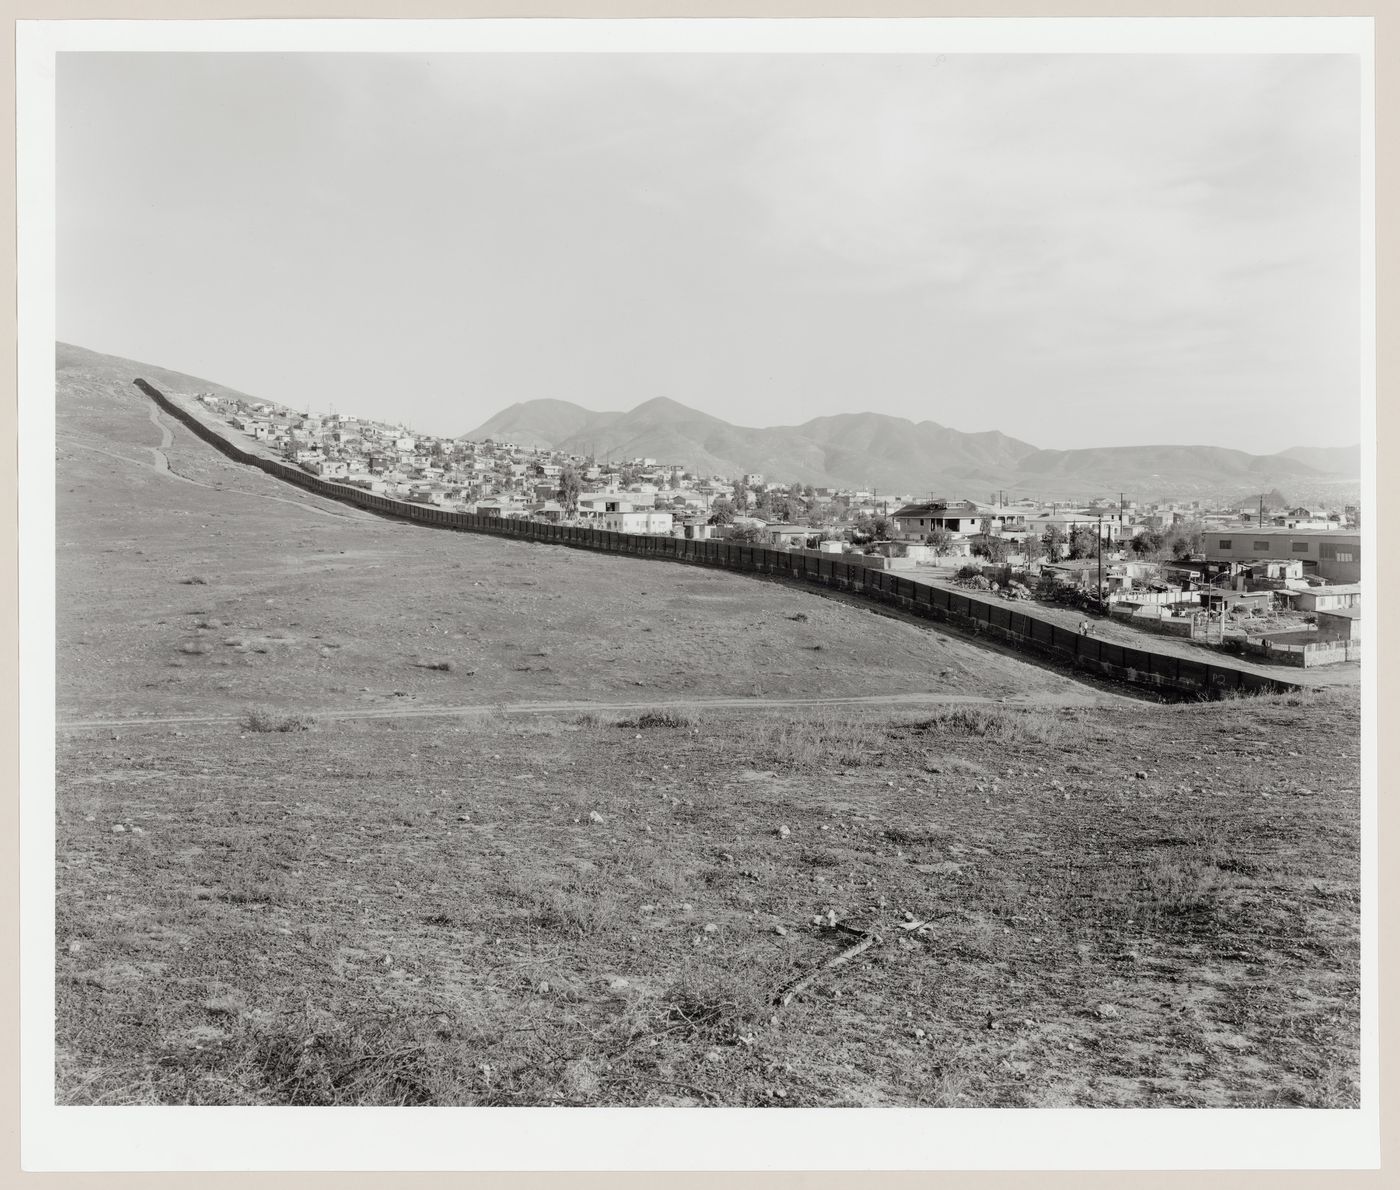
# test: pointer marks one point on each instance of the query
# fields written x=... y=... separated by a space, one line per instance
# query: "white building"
x=638 y=521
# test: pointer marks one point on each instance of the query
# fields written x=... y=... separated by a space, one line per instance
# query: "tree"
x=1185 y=539
x=1083 y=541
x=1032 y=548
x=881 y=526
x=629 y=475
x=994 y=549
x=569 y=488
x=941 y=540
x=747 y=534
x=675 y=481
x=1148 y=544
x=1053 y=539
x=721 y=512
x=741 y=494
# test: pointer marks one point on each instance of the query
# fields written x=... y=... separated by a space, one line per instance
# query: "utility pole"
x=1100 y=590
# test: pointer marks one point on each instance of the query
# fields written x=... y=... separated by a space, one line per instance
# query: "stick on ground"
x=797 y=986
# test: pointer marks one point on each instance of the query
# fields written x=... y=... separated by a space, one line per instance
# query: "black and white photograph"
x=643 y=579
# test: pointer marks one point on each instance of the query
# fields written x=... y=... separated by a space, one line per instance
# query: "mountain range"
x=875 y=450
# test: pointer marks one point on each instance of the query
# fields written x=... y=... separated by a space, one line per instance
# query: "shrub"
x=800 y=618
x=267 y=721
x=194 y=581
x=193 y=647
x=718 y=1000
x=444 y=666
x=658 y=719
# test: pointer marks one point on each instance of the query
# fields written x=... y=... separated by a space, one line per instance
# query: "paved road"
x=885 y=701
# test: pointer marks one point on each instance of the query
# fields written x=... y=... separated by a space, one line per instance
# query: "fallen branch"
x=797 y=986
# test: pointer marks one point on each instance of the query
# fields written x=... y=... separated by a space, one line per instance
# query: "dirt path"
x=578 y=708
x=166 y=439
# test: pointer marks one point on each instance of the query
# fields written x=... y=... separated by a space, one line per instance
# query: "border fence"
x=1173 y=675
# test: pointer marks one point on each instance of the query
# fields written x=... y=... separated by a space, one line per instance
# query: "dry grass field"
x=283 y=878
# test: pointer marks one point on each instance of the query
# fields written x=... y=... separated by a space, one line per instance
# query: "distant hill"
x=1344 y=462
x=896 y=454
x=1152 y=469
x=848 y=450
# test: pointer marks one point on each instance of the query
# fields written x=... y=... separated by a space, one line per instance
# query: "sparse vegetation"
x=269 y=721
x=659 y=718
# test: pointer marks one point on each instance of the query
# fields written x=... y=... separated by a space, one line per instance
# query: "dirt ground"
x=1124 y=906
x=287 y=875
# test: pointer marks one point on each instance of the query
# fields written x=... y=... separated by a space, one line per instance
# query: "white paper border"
x=120 y=1138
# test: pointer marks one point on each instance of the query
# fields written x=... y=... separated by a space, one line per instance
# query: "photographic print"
x=709 y=580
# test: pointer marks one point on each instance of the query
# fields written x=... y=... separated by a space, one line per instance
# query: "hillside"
x=1160 y=467
x=894 y=453
x=77 y=363
x=1344 y=462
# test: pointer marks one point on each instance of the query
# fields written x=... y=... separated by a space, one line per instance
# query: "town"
x=1252 y=576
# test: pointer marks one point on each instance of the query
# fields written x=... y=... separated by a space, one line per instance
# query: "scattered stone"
x=713 y=1056
x=618 y=983
x=594 y=816
x=1107 y=1012
x=1140 y=775
x=544 y=988
x=780 y=929
x=119 y=829
x=711 y=928
x=783 y=831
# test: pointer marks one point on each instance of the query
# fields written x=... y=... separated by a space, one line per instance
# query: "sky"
x=1075 y=250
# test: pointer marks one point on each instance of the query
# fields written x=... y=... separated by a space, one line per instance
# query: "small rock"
x=594 y=816
x=713 y=1056
x=1140 y=775
x=119 y=829
x=711 y=928
x=544 y=988
x=619 y=983
x=1107 y=1012
x=782 y=930
x=783 y=831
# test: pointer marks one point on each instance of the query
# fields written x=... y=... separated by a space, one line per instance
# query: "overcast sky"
x=1078 y=251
